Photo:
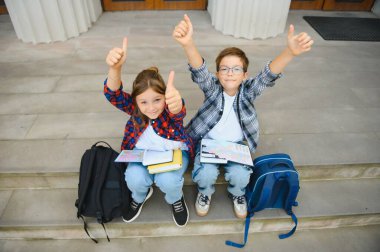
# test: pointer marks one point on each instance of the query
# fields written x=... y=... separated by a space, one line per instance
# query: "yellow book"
x=169 y=166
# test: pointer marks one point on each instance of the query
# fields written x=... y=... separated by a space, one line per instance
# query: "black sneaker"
x=180 y=212
x=135 y=208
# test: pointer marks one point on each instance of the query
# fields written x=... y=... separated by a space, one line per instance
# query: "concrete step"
x=50 y=213
x=54 y=163
x=55 y=180
x=348 y=239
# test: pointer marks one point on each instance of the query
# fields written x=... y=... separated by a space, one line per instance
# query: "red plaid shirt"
x=167 y=125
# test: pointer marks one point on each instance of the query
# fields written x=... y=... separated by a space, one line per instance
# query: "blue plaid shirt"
x=211 y=111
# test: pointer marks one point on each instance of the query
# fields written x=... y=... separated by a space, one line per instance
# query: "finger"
x=172 y=99
x=183 y=29
x=114 y=59
x=116 y=54
x=309 y=44
x=291 y=31
x=109 y=62
x=174 y=105
x=188 y=21
x=301 y=36
x=183 y=25
x=305 y=41
x=174 y=108
x=177 y=34
x=180 y=32
x=125 y=45
x=170 y=83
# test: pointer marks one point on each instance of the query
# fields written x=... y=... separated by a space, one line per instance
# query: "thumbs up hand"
x=299 y=43
x=183 y=32
x=172 y=96
x=117 y=56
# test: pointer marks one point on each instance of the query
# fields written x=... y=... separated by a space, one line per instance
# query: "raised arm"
x=183 y=34
x=115 y=60
x=297 y=44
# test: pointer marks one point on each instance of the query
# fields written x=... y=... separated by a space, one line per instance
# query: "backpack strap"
x=102 y=177
x=82 y=197
x=246 y=229
x=105 y=231
x=86 y=229
x=265 y=193
x=291 y=232
x=103 y=174
x=95 y=144
x=289 y=203
x=262 y=202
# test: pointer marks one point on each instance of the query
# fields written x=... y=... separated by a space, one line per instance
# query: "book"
x=169 y=166
x=130 y=156
x=147 y=157
x=220 y=152
x=157 y=157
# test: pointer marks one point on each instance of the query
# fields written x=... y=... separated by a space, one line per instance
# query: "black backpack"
x=102 y=190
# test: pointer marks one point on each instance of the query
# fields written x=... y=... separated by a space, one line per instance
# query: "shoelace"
x=240 y=199
x=178 y=206
x=203 y=200
x=134 y=205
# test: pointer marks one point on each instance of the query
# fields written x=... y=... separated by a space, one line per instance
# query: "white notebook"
x=157 y=157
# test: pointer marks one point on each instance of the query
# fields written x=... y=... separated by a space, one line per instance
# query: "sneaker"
x=202 y=204
x=134 y=209
x=180 y=212
x=240 y=206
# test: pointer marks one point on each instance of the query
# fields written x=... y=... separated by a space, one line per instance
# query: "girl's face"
x=151 y=103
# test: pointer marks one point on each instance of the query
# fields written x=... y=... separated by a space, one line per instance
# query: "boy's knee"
x=239 y=176
x=206 y=175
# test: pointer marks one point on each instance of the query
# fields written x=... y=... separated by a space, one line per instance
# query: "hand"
x=299 y=43
x=172 y=96
x=117 y=56
x=183 y=32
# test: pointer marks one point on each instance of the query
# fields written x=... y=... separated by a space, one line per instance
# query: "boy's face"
x=151 y=103
x=231 y=74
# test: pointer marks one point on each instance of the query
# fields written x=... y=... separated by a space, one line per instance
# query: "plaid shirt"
x=211 y=111
x=167 y=125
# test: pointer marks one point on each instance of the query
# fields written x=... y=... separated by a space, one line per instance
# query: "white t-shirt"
x=228 y=128
x=149 y=140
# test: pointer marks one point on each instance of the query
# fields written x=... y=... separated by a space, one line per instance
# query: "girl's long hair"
x=148 y=78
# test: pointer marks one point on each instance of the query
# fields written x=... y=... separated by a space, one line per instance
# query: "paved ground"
x=325 y=110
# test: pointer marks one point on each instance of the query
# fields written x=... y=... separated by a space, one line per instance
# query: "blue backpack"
x=274 y=183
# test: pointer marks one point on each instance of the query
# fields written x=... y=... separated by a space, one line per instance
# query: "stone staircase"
x=52 y=109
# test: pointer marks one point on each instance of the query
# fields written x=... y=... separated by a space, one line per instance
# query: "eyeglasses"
x=235 y=70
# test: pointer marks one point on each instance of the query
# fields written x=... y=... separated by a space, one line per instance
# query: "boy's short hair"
x=232 y=51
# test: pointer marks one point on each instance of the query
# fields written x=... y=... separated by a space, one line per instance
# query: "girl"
x=156 y=122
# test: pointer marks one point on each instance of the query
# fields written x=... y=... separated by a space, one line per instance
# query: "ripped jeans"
x=205 y=175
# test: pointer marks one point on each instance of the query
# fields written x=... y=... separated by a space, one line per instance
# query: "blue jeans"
x=205 y=175
x=139 y=180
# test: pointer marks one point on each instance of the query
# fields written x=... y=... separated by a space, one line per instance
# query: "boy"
x=228 y=113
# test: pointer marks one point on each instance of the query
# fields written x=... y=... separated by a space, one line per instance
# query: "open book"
x=220 y=152
x=146 y=157
x=169 y=166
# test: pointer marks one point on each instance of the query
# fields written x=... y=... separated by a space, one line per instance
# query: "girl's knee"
x=169 y=181
x=135 y=176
